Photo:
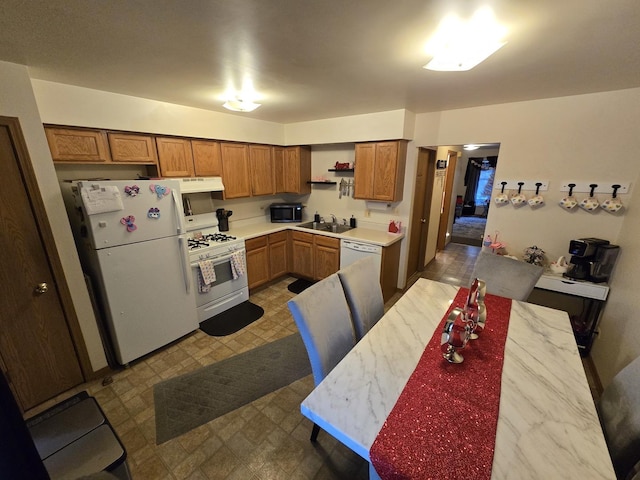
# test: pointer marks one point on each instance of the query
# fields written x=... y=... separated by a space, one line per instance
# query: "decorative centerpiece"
x=462 y=324
x=534 y=255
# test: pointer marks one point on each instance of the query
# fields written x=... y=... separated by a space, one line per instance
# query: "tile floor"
x=267 y=439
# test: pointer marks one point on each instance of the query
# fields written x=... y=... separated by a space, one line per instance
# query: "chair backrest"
x=505 y=276
x=361 y=284
x=619 y=410
x=322 y=315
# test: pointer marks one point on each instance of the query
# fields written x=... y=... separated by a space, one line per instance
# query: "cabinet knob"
x=42 y=288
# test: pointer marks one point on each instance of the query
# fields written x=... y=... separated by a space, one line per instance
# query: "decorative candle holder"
x=475 y=312
x=455 y=336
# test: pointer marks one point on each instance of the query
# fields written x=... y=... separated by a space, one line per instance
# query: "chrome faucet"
x=333 y=218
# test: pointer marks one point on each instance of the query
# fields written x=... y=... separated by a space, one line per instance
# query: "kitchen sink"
x=326 y=227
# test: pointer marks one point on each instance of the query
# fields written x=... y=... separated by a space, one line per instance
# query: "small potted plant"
x=534 y=255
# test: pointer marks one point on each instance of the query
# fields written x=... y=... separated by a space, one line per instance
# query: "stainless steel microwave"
x=286 y=212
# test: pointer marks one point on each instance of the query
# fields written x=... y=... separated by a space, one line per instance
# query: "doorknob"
x=42 y=288
x=423 y=220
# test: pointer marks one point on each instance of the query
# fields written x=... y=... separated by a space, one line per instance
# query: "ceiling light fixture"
x=471 y=146
x=459 y=46
x=237 y=104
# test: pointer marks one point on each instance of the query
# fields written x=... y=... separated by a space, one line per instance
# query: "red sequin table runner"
x=443 y=425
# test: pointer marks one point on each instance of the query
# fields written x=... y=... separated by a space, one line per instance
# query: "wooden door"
x=175 y=157
x=278 y=169
x=36 y=345
x=257 y=254
x=262 y=169
x=421 y=207
x=326 y=255
x=277 y=255
x=386 y=166
x=77 y=145
x=126 y=147
x=235 y=170
x=364 y=170
x=446 y=200
x=206 y=158
x=302 y=254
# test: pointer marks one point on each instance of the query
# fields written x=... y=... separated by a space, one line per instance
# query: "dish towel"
x=206 y=275
x=238 y=267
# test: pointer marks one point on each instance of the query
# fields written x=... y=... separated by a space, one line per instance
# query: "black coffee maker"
x=223 y=219
x=592 y=259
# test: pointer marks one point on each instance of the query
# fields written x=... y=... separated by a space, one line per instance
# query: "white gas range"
x=218 y=265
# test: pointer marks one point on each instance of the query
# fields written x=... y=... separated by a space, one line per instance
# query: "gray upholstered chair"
x=619 y=410
x=364 y=294
x=322 y=316
x=505 y=276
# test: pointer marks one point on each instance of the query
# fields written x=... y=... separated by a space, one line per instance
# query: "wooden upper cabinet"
x=278 y=168
x=262 y=170
x=207 y=159
x=296 y=170
x=379 y=170
x=77 y=145
x=235 y=170
x=126 y=147
x=175 y=157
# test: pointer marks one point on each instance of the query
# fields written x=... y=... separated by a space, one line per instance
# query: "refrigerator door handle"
x=177 y=202
x=184 y=261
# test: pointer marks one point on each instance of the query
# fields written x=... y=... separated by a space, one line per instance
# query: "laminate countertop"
x=364 y=235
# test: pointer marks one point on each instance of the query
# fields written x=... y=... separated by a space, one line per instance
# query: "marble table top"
x=548 y=426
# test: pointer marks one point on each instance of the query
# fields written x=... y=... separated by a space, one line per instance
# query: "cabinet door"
x=76 y=145
x=326 y=256
x=261 y=168
x=127 y=147
x=174 y=157
x=257 y=255
x=364 y=170
x=297 y=170
x=302 y=254
x=278 y=169
x=206 y=158
x=385 y=170
x=277 y=255
x=235 y=170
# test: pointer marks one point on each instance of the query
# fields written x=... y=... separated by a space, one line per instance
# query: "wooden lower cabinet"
x=302 y=254
x=257 y=254
x=389 y=270
x=278 y=265
x=326 y=254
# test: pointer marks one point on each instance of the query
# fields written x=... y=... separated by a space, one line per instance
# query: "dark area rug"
x=299 y=285
x=232 y=320
x=468 y=230
x=188 y=401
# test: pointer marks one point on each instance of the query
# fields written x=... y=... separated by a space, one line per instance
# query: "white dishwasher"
x=351 y=251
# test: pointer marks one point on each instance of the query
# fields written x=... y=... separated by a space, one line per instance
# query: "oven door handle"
x=184 y=261
x=219 y=259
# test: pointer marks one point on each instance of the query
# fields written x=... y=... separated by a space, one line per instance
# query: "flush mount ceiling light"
x=471 y=146
x=458 y=46
x=239 y=105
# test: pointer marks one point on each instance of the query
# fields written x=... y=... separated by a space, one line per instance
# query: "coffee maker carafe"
x=223 y=219
x=604 y=262
x=583 y=257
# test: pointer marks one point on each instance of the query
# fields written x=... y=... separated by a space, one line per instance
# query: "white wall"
x=581 y=138
x=17 y=100
x=69 y=105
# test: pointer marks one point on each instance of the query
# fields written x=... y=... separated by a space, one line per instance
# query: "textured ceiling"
x=320 y=59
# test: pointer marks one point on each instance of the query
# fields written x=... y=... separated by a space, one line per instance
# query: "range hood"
x=201 y=184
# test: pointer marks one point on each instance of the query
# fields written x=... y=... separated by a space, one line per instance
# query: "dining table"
x=546 y=424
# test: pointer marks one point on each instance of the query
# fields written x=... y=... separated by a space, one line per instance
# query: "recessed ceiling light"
x=460 y=46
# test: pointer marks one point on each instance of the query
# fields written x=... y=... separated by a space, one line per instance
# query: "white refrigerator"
x=136 y=252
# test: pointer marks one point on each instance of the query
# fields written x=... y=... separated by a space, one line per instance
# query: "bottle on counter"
x=316 y=217
x=352 y=222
